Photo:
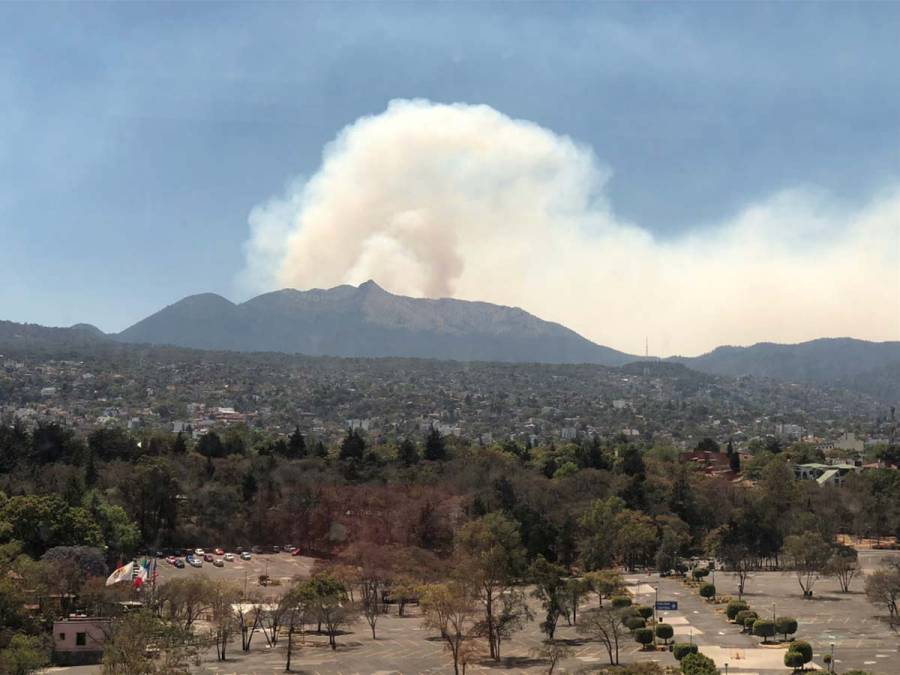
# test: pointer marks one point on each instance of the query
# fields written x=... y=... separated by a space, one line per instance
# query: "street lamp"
x=831 y=663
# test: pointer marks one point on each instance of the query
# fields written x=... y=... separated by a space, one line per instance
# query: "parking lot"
x=280 y=567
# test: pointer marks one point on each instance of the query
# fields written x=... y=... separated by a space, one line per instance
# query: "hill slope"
x=836 y=361
x=368 y=322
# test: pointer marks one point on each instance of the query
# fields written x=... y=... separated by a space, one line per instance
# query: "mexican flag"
x=120 y=574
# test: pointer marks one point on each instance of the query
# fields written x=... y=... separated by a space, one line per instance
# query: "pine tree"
x=90 y=471
x=407 y=453
x=353 y=446
x=435 y=449
x=179 y=447
x=296 y=444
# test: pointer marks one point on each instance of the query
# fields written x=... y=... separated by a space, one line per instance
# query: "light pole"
x=655 y=615
x=726 y=668
x=831 y=663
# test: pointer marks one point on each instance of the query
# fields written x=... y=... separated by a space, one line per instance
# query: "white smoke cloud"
x=461 y=200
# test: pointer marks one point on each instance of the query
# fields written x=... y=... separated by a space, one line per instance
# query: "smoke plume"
x=460 y=200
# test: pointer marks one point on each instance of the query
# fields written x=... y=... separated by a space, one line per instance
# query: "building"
x=79 y=640
x=825 y=474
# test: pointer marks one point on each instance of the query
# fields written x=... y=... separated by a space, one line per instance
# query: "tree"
x=764 y=628
x=843 y=566
x=435 y=448
x=785 y=625
x=136 y=634
x=179 y=445
x=491 y=557
x=643 y=636
x=296 y=445
x=604 y=583
x=210 y=445
x=665 y=632
x=329 y=602
x=707 y=591
x=222 y=598
x=353 y=446
x=553 y=652
x=184 y=599
x=407 y=453
x=575 y=589
x=606 y=625
x=549 y=588
x=698 y=664
x=745 y=617
x=883 y=588
x=682 y=649
x=294 y=607
x=808 y=554
x=803 y=648
x=794 y=660
x=450 y=608
x=25 y=654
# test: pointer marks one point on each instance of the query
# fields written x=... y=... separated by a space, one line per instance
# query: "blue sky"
x=135 y=139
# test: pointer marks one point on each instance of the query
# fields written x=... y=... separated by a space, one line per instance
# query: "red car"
x=296 y=551
x=207 y=557
x=220 y=551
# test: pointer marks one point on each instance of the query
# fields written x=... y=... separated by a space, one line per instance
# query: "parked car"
x=171 y=559
x=255 y=549
x=218 y=563
x=229 y=557
x=296 y=551
x=207 y=557
x=245 y=555
x=289 y=548
x=179 y=563
x=198 y=551
x=220 y=551
x=195 y=562
x=276 y=549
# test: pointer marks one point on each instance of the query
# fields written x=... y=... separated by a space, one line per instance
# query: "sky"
x=692 y=174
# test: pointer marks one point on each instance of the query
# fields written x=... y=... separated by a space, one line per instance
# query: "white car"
x=228 y=557
x=245 y=555
x=199 y=551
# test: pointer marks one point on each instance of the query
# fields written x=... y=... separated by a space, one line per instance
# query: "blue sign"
x=667 y=605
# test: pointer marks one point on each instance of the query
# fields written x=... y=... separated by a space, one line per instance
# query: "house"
x=825 y=474
x=78 y=640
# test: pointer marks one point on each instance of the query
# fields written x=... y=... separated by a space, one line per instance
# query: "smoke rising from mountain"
x=461 y=200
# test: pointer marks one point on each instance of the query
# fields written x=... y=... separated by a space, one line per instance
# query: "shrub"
x=785 y=625
x=741 y=618
x=700 y=573
x=707 y=591
x=802 y=647
x=764 y=628
x=620 y=601
x=634 y=622
x=698 y=664
x=735 y=606
x=682 y=649
x=644 y=636
x=750 y=620
x=664 y=631
x=644 y=611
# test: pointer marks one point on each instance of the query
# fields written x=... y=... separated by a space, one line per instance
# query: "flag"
x=143 y=573
x=120 y=574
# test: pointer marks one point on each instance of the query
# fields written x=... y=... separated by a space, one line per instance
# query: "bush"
x=700 y=573
x=741 y=618
x=802 y=647
x=644 y=611
x=735 y=606
x=785 y=625
x=764 y=628
x=634 y=622
x=682 y=649
x=698 y=664
x=620 y=601
x=794 y=660
x=750 y=620
x=664 y=631
x=707 y=591
x=644 y=636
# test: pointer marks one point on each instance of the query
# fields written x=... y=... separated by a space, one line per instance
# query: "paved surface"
x=861 y=639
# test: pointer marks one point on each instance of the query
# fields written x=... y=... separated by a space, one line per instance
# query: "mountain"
x=857 y=364
x=367 y=321
x=35 y=336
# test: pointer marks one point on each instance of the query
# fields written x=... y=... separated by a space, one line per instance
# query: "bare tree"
x=607 y=626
